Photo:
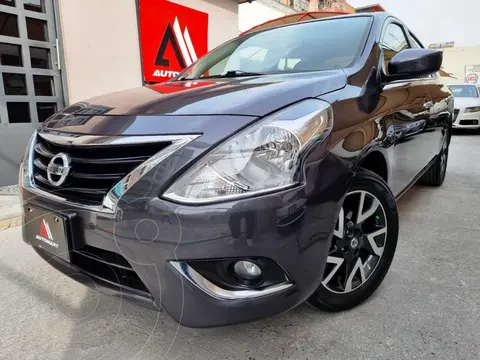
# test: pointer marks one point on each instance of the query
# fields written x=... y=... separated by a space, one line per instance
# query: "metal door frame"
x=52 y=44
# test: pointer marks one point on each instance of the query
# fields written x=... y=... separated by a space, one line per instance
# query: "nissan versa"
x=264 y=175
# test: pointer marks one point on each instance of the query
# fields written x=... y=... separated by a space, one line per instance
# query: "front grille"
x=108 y=266
x=468 y=122
x=94 y=169
x=455 y=114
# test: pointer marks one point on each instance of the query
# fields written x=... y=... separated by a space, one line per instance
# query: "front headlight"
x=24 y=174
x=472 y=109
x=263 y=157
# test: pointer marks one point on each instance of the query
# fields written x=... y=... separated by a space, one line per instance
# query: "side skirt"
x=416 y=178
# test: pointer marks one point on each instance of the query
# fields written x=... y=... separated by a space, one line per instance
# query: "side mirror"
x=411 y=63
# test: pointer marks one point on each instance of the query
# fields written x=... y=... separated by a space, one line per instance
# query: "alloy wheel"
x=358 y=242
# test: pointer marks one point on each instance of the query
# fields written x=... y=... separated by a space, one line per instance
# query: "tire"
x=435 y=175
x=343 y=290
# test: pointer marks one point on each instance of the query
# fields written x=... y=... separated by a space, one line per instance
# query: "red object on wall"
x=172 y=37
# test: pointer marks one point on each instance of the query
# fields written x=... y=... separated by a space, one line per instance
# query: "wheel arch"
x=376 y=162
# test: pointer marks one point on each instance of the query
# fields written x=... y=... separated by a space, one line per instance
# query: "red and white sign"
x=45 y=230
x=172 y=37
x=45 y=234
x=472 y=78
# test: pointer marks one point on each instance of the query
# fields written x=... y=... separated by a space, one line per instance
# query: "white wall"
x=101 y=44
x=258 y=12
x=222 y=18
x=455 y=60
x=100 y=40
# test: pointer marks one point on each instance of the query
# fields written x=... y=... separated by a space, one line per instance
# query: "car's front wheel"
x=363 y=245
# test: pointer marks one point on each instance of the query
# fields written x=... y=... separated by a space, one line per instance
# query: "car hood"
x=464 y=102
x=167 y=108
x=254 y=96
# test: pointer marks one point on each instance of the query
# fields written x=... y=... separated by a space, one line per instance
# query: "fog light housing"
x=247 y=270
x=241 y=273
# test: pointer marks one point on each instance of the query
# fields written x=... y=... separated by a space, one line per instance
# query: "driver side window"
x=393 y=41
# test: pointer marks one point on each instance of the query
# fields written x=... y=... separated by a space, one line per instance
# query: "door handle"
x=428 y=104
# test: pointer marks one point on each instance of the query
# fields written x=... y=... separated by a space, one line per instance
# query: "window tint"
x=18 y=112
x=14 y=84
x=393 y=41
x=37 y=29
x=7 y=2
x=34 y=5
x=43 y=85
x=310 y=46
x=10 y=55
x=40 y=58
x=8 y=24
x=414 y=42
x=45 y=110
x=247 y=59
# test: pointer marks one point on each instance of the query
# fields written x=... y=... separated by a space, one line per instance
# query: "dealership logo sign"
x=45 y=234
x=182 y=47
x=172 y=38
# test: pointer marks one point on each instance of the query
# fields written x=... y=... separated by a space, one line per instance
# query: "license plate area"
x=48 y=231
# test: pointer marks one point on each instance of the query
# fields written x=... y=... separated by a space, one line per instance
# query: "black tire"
x=326 y=299
x=435 y=175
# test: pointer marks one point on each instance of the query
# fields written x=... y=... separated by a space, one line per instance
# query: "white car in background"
x=467 y=106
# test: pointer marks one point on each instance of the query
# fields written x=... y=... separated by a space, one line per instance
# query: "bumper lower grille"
x=468 y=122
x=94 y=169
x=108 y=266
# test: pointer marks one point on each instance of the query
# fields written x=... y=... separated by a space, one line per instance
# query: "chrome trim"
x=189 y=201
x=101 y=140
x=220 y=293
x=228 y=181
x=59 y=170
x=111 y=199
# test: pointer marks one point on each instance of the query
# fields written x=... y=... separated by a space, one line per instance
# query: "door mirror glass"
x=412 y=63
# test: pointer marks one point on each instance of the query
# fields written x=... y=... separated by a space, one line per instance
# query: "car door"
x=440 y=107
x=410 y=106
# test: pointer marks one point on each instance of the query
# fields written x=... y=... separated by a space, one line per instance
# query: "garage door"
x=30 y=83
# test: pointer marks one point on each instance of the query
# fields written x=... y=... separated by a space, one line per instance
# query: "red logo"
x=472 y=78
x=45 y=230
x=170 y=88
x=172 y=37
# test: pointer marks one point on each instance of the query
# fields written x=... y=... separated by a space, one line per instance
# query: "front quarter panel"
x=362 y=121
x=292 y=227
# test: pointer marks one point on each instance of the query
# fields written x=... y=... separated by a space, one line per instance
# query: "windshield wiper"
x=228 y=74
x=234 y=73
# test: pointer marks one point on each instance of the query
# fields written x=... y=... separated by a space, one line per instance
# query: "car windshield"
x=464 y=90
x=309 y=46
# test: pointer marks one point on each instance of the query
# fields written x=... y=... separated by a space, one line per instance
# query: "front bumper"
x=293 y=228
x=465 y=120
